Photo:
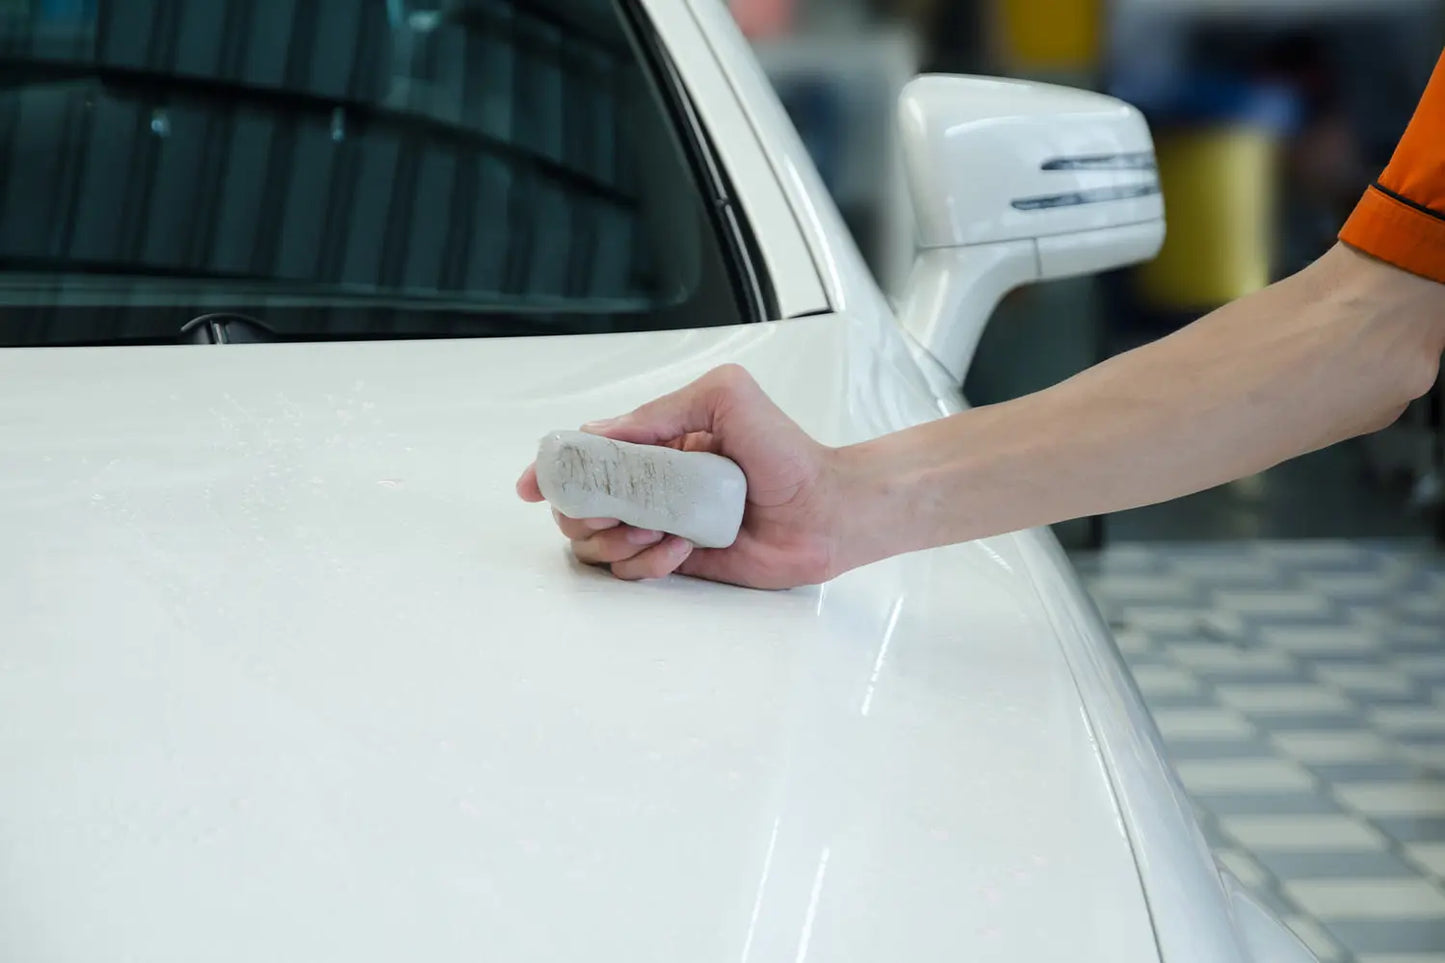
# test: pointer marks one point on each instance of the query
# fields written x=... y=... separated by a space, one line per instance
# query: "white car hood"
x=289 y=673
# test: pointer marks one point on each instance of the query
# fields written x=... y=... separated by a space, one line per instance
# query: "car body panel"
x=290 y=673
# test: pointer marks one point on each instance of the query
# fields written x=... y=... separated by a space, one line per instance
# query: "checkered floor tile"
x=1300 y=687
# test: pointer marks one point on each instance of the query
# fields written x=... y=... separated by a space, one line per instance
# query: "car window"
x=345 y=169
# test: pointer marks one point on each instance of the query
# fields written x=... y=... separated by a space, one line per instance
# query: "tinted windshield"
x=345 y=168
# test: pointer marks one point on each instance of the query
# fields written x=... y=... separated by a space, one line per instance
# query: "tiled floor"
x=1301 y=689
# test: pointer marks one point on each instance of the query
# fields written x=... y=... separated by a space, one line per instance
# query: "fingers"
x=659 y=561
x=527 y=487
x=634 y=554
x=573 y=528
x=683 y=419
x=614 y=545
x=692 y=408
x=710 y=564
x=577 y=529
x=687 y=419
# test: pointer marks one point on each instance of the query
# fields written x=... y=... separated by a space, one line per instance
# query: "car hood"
x=289 y=673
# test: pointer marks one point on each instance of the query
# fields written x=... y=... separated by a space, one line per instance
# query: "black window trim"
x=746 y=267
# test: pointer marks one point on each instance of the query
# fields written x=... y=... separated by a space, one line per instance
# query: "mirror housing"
x=1012 y=183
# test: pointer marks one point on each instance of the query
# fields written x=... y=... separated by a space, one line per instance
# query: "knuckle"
x=578 y=529
x=614 y=553
x=652 y=570
x=598 y=551
x=732 y=377
x=627 y=573
x=617 y=546
x=573 y=530
x=642 y=569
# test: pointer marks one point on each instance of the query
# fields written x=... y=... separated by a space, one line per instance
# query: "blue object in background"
x=1208 y=97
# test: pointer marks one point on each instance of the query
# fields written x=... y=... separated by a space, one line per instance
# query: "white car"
x=288 y=672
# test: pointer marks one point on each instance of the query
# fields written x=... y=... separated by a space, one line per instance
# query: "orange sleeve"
x=1401 y=218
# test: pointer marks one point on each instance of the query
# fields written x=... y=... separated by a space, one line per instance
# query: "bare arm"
x=1336 y=351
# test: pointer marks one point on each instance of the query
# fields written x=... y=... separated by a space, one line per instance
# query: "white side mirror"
x=1012 y=183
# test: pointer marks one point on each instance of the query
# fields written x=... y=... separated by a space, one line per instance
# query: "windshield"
x=345 y=169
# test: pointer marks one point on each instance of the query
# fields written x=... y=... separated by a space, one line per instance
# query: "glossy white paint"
x=1192 y=912
x=1200 y=912
x=953 y=292
x=1102 y=249
x=290 y=674
x=981 y=152
x=1267 y=938
x=1016 y=182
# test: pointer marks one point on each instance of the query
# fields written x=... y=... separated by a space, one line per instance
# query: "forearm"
x=1331 y=353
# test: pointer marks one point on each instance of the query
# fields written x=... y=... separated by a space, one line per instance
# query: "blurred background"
x=1270 y=116
x=1287 y=630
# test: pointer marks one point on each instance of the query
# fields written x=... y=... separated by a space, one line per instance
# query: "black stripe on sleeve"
x=1407 y=202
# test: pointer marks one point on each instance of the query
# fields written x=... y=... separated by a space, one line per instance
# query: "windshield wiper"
x=226 y=328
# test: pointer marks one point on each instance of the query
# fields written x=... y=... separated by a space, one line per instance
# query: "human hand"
x=789 y=531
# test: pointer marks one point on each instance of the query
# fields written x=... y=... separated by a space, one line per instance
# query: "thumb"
x=694 y=407
x=710 y=564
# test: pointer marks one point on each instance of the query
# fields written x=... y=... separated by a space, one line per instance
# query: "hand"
x=789 y=529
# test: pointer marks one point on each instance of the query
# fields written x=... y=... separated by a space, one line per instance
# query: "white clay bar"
x=695 y=495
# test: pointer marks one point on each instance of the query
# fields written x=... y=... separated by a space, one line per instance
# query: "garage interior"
x=1287 y=630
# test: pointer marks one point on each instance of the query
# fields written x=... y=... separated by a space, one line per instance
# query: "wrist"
x=877 y=505
x=854 y=514
x=1368 y=294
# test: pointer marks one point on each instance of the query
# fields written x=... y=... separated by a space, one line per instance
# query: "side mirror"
x=1013 y=183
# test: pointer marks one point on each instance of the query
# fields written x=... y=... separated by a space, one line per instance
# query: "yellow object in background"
x=1051 y=35
x=1219 y=199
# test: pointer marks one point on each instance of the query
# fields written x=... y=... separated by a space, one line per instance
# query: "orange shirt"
x=1401 y=218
